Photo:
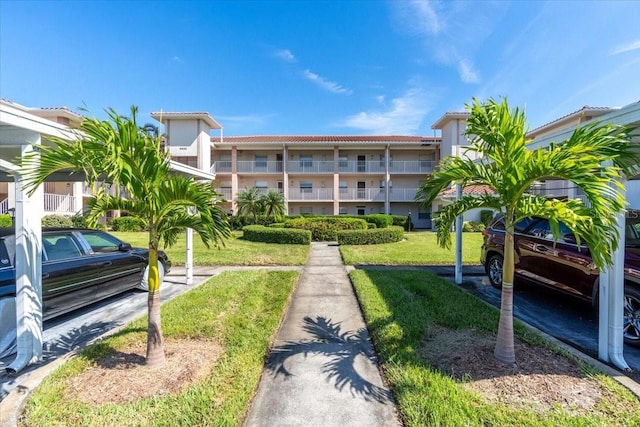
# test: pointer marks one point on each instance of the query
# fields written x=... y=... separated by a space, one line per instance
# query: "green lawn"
x=418 y=248
x=399 y=308
x=239 y=310
x=235 y=251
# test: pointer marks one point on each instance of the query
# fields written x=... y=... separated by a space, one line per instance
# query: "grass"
x=400 y=306
x=236 y=251
x=417 y=249
x=240 y=310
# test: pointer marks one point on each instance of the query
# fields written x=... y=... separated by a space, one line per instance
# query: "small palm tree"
x=594 y=158
x=119 y=152
x=273 y=204
x=249 y=202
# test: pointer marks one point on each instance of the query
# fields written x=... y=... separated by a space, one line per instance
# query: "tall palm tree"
x=119 y=152
x=249 y=202
x=273 y=204
x=594 y=158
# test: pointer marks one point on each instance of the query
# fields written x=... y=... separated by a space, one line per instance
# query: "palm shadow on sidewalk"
x=342 y=349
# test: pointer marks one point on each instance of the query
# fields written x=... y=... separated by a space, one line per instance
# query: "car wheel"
x=144 y=283
x=494 y=271
x=631 y=325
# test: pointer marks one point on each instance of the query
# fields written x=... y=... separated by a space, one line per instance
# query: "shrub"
x=472 y=226
x=401 y=221
x=237 y=222
x=128 y=223
x=373 y=236
x=325 y=228
x=5 y=220
x=380 y=220
x=260 y=233
x=57 y=221
x=486 y=216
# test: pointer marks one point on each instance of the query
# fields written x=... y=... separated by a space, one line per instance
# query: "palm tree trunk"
x=155 y=340
x=505 y=351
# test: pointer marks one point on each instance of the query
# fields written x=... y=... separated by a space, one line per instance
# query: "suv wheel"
x=494 y=270
x=631 y=325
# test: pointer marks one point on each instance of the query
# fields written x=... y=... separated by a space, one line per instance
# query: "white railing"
x=361 y=166
x=226 y=193
x=4 y=206
x=402 y=194
x=412 y=166
x=317 y=194
x=252 y=166
x=304 y=166
x=362 y=194
x=59 y=203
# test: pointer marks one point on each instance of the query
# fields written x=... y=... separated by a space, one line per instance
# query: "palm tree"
x=273 y=204
x=249 y=202
x=594 y=158
x=119 y=152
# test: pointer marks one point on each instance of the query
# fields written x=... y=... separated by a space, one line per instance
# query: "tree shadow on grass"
x=342 y=348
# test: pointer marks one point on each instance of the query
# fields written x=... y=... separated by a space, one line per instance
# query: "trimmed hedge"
x=128 y=223
x=5 y=220
x=260 y=233
x=325 y=228
x=237 y=222
x=64 y=221
x=472 y=226
x=373 y=236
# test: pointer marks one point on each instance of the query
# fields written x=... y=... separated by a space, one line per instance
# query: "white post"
x=603 y=316
x=28 y=232
x=458 y=275
x=188 y=264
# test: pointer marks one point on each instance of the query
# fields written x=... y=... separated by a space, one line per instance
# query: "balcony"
x=60 y=204
x=258 y=167
x=311 y=194
x=361 y=166
x=362 y=194
x=325 y=167
x=412 y=166
x=402 y=194
x=302 y=166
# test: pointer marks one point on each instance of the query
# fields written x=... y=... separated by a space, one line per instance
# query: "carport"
x=610 y=322
x=20 y=132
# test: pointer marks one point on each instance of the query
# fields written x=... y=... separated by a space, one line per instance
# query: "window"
x=261 y=161
x=343 y=187
x=343 y=162
x=306 y=210
x=306 y=186
x=262 y=184
x=60 y=246
x=306 y=161
x=343 y=211
x=360 y=210
x=101 y=242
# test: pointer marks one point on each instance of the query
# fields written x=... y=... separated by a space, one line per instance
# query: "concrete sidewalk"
x=322 y=370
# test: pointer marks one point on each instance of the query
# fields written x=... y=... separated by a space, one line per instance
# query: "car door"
x=69 y=277
x=120 y=267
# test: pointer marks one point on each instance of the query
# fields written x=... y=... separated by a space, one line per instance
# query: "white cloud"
x=403 y=117
x=285 y=55
x=326 y=84
x=628 y=47
x=467 y=73
x=177 y=59
x=424 y=18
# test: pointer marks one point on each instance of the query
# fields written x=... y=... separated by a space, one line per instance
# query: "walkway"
x=322 y=370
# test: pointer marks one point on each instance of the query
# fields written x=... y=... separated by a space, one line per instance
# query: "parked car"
x=79 y=267
x=563 y=265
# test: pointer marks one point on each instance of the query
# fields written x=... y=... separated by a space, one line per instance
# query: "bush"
x=128 y=223
x=380 y=220
x=63 y=221
x=373 y=236
x=325 y=228
x=5 y=220
x=472 y=226
x=237 y=222
x=401 y=221
x=292 y=236
x=486 y=216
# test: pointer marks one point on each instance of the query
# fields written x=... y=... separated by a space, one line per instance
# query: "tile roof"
x=270 y=139
x=470 y=190
x=586 y=110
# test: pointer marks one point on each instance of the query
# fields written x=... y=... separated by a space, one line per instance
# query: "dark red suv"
x=564 y=266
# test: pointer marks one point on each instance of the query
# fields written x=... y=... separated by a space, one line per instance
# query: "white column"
x=188 y=263
x=78 y=189
x=28 y=231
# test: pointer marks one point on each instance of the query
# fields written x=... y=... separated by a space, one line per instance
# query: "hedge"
x=260 y=233
x=325 y=228
x=128 y=223
x=472 y=226
x=373 y=236
x=63 y=221
x=5 y=220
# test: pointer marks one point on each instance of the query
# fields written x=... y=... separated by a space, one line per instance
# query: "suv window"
x=60 y=246
x=101 y=242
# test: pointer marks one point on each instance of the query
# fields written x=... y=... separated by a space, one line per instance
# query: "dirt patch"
x=123 y=377
x=541 y=379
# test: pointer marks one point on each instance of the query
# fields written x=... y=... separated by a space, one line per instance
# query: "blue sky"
x=320 y=67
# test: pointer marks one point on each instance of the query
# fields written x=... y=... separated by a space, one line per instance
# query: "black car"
x=79 y=267
x=563 y=265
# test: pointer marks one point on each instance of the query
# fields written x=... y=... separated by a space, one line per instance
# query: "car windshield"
x=632 y=231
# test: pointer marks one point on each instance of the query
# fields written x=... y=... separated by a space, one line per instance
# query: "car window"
x=7 y=251
x=60 y=246
x=542 y=229
x=522 y=225
x=101 y=242
x=632 y=232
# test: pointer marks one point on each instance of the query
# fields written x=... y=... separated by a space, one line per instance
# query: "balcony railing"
x=326 y=166
x=362 y=194
x=60 y=203
x=4 y=206
x=402 y=194
x=311 y=194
